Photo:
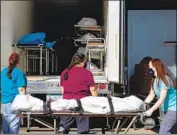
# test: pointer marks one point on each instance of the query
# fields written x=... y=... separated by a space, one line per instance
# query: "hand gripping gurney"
x=121 y=117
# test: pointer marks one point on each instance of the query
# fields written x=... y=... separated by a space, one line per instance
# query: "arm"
x=163 y=93
x=62 y=90
x=61 y=82
x=21 y=83
x=91 y=83
x=150 y=97
x=22 y=90
x=93 y=91
x=162 y=98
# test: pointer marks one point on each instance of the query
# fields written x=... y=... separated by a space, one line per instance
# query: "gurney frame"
x=39 y=52
x=134 y=116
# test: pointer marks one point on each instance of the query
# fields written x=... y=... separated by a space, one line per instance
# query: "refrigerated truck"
x=18 y=18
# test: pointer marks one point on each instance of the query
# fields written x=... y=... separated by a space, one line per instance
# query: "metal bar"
x=22 y=121
x=56 y=63
x=62 y=113
x=27 y=61
x=52 y=62
x=38 y=121
x=89 y=59
x=107 y=122
x=101 y=60
x=35 y=65
x=24 y=59
x=55 y=125
x=48 y=56
x=114 y=122
x=118 y=124
x=118 y=129
x=33 y=62
x=34 y=57
x=46 y=62
x=131 y=123
x=41 y=60
x=28 y=122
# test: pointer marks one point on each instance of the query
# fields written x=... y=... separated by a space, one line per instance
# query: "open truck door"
x=115 y=41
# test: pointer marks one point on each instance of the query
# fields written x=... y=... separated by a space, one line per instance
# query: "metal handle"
x=94 y=39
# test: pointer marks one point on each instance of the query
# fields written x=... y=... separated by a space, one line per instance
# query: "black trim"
x=79 y=108
x=110 y=104
x=151 y=4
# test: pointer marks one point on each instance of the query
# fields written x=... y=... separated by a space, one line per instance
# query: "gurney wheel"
x=27 y=130
x=149 y=123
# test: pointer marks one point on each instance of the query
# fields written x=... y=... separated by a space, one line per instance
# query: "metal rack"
x=37 y=53
x=82 y=28
x=94 y=47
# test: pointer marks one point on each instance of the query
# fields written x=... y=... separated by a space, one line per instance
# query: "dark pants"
x=169 y=122
x=81 y=121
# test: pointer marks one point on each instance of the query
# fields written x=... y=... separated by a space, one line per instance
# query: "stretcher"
x=37 y=52
x=120 y=118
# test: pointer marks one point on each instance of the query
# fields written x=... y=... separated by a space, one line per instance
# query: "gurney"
x=121 y=117
x=37 y=52
x=134 y=116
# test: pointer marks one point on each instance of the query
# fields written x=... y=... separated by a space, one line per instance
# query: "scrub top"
x=170 y=101
x=78 y=83
x=9 y=87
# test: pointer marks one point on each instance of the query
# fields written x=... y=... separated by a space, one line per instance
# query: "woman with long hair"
x=13 y=82
x=164 y=88
x=76 y=82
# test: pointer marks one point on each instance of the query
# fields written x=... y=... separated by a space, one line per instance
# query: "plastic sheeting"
x=89 y=104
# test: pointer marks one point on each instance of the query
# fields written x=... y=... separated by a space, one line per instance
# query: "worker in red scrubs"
x=76 y=82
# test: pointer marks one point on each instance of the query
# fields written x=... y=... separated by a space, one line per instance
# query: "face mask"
x=151 y=72
x=85 y=65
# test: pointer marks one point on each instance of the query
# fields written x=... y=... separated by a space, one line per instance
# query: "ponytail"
x=13 y=61
x=11 y=67
x=67 y=71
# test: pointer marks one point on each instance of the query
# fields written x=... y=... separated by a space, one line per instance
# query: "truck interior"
x=57 y=20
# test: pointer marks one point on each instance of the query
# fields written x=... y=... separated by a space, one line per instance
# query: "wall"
x=147 y=30
x=16 y=20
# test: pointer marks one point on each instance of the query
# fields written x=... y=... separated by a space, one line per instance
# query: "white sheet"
x=89 y=104
x=63 y=104
x=87 y=21
x=101 y=105
x=27 y=102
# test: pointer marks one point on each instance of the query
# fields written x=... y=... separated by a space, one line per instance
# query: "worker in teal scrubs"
x=164 y=88
x=13 y=82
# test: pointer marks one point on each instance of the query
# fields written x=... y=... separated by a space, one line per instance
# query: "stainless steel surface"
x=27 y=60
x=50 y=84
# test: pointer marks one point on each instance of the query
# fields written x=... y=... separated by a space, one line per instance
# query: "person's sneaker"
x=62 y=130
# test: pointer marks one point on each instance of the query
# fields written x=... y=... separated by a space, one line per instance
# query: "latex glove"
x=148 y=113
